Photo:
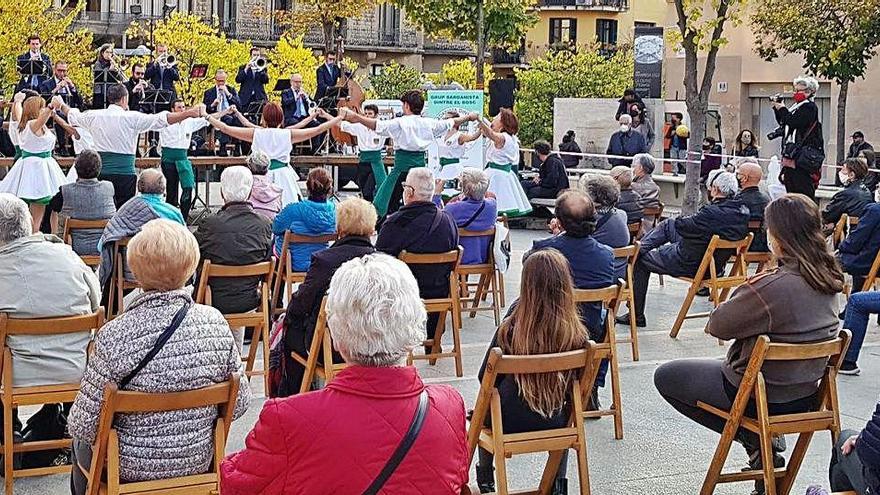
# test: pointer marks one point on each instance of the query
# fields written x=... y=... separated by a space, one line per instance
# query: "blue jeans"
x=859 y=307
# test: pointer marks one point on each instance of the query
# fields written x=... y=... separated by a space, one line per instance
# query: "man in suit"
x=33 y=81
x=162 y=76
x=328 y=73
x=295 y=102
x=60 y=84
x=252 y=81
x=218 y=99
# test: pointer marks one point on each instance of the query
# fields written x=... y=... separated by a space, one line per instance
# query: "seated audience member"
x=643 y=184
x=855 y=459
x=201 y=352
x=235 y=236
x=355 y=223
x=569 y=145
x=86 y=199
x=545 y=320
x=629 y=201
x=552 y=176
x=611 y=228
x=265 y=196
x=809 y=279
x=858 y=308
x=375 y=318
x=859 y=249
x=854 y=197
x=420 y=227
x=41 y=277
x=315 y=215
x=749 y=175
x=676 y=247
x=148 y=205
x=475 y=211
x=591 y=263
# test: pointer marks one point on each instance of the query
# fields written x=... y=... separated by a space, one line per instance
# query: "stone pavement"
x=661 y=452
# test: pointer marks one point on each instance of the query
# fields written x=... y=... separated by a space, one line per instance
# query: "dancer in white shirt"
x=370 y=169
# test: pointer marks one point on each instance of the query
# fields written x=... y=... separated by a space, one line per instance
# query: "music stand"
x=103 y=79
x=28 y=68
x=254 y=111
x=198 y=71
x=157 y=100
x=281 y=85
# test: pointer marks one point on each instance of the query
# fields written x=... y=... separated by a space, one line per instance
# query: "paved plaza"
x=661 y=452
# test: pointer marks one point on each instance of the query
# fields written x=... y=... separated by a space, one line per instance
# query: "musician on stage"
x=175 y=141
x=328 y=75
x=115 y=131
x=296 y=105
x=60 y=84
x=252 y=81
x=160 y=73
x=412 y=135
x=217 y=100
x=105 y=69
x=34 y=53
x=137 y=87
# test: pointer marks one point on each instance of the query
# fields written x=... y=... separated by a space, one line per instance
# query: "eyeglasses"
x=139 y=74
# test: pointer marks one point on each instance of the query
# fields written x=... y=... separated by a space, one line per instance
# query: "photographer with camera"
x=803 y=148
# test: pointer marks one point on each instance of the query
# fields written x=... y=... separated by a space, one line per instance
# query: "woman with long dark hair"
x=746 y=144
x=794 y=303
x=545 y=320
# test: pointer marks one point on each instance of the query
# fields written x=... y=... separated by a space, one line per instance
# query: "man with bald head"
x=749 y=175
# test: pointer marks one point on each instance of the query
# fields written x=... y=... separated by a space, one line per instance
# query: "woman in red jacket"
x=338 y=440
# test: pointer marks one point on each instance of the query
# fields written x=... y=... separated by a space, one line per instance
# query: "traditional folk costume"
x=35 y=177
x=503 y=181
x=175 y=141
x=412 y=135
x=451 y=153
x=371 y=170
x=277 y=145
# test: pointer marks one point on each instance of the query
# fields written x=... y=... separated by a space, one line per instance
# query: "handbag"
x=798 y=155
x=402 y=449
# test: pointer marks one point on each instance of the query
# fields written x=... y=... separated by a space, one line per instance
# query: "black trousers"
x=316 y=141
x=172 y=180
x=799 y=181
x=848 y=472
x=124 y=187
x=646 y=264
x=538 y=191
x=365 y=180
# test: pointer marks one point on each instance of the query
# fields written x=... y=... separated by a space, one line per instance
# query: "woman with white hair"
x=375 y=318
x=265 y=196
x=803 y=148
x=200 y=352
x=472 y=210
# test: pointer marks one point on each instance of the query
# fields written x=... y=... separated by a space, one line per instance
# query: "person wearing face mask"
x=803 y=133
x=748 y=176
x=854 y=197
x=625 y=142
x=711 y=161
x=745 y=144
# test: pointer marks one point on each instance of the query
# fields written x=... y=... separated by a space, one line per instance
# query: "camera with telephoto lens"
x=777 y=98
x=776 y=133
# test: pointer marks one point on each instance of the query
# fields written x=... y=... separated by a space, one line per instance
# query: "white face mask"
x=844 y=177
x=624 y=128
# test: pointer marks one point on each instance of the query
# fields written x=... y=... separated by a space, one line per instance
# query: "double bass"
x=351 y=96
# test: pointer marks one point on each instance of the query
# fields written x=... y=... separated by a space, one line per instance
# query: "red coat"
x=336 y=440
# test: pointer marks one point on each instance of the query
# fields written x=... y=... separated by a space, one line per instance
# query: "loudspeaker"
x=501 y=94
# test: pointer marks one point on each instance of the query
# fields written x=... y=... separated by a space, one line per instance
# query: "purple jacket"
x=476 y=249
x=265 y=197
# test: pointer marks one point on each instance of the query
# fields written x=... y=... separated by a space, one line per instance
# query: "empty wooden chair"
x=826 y=415
x=707 y=276
x=631 y=253
x=103 y=472
x=259 y=319
x=487 y=281
x=321 y=346
x=73 y=224
x=118 y=282
x=608 y=297
x=15 y=397
x=584 y=363
x=444 y=305
x=284 y=274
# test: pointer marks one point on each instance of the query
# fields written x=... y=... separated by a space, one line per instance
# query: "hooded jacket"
x=265 y=197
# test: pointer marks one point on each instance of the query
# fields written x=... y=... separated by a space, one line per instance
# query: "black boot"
x=778 y=445
x=486 y=478
x=560 y=487
x=593 y=404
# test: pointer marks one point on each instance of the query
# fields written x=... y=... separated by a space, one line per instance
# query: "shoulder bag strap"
x=160 y=343
x=405 y=444
x=474 y=216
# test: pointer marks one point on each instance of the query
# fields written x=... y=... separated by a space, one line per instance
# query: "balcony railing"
x=616 y=5
x=504 y=57
x=447 y=45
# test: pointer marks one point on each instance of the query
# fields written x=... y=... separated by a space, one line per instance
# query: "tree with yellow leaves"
x=325 y=13
x=290 y=56
x=20 y=19
x=194 y=42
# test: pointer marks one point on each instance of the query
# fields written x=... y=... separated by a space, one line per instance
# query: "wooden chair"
x=284 y=273
x=322 y=345
x=15 y=397
x=259 y=320
x=487 y=282
x=842 y=229
x=451 y=305
x=631 y=253
x=118 y=283
x=103 y=472
x=707 y=276
x=584 y=363
x=826 y=415
x=657 y=213
x=761 y=260
x=608 y=297
x=634 y=229
x=871 y=279
x=71 y=224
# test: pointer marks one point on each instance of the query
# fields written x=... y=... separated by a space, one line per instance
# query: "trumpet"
x=259 y=63
x=166 y=60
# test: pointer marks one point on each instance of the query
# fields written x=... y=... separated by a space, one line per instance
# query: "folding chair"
x=118 y=283
x=284 y=273
x=631 y=253
x=451 y=305
x=759 y=259
x=72 y=224
x=608 y=297
x=871 y=279
x=487 y=282
x=634 y=229
x=103 y=472
x=657 y=213
x=707 y=276
x=842 y=229
x=825 y=416
x=14 y=397
x=584 y=363
x=322 y=345
x=258 y=320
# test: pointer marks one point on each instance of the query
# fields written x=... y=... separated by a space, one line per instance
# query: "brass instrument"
x=166 y=60
x=120 y=65
x=259 y=63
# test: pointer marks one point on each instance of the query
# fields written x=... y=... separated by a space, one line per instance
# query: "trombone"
x=121 y=65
